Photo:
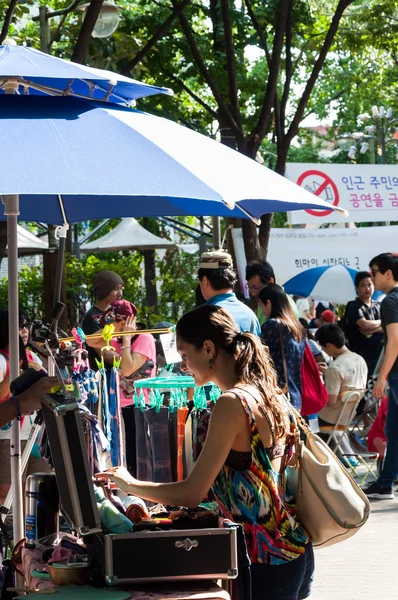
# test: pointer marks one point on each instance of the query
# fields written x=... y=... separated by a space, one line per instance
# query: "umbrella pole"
x=60 y=267
x=62 y=233
x=11 y=211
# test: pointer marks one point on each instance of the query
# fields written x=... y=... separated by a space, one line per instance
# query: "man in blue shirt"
x=217 y=280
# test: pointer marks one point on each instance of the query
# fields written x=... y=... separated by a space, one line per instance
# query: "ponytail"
x=254 y=366
x=253 y=363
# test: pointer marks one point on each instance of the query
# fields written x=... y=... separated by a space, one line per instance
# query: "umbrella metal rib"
x=26 y=84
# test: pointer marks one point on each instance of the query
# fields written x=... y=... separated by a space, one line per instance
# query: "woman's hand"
x=129 y=326
x=118 y=475
x=322 y=366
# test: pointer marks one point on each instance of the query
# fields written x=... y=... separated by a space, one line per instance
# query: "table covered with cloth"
x=183 y=591
x=200 y=590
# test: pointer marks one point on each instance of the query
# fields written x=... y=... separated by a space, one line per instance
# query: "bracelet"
x=123 y=347
x=15 y=399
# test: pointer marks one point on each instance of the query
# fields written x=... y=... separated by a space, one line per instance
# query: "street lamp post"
x=108 y=19
x=377 y=135
x=107 y=22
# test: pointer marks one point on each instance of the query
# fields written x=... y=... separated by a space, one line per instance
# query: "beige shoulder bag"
x=330 y=505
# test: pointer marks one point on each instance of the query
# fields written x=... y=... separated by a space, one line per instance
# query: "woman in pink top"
x=138 y=352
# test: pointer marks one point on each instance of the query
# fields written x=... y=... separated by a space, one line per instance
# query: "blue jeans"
x=290 y=581
x=389 y=472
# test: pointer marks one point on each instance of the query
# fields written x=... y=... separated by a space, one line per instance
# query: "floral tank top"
x=259 y=499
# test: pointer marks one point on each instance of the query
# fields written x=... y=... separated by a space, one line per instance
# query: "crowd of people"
x=258 y=356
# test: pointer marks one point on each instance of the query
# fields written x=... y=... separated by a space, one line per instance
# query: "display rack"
x=176 y=386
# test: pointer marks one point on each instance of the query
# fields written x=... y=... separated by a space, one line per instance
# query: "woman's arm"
x=226 y=421
x=131 y=361
x=4 y=384
x=27 y=402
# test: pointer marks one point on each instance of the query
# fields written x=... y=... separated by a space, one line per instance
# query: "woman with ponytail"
x=247 y=449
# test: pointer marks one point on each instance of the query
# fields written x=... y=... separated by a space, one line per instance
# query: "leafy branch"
x=7 y=20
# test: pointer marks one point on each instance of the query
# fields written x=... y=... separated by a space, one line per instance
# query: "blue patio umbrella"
x=67 y=159
x=334 y=283
x=28 y=71
x=106 y=160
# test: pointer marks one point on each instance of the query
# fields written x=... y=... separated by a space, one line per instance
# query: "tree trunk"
x=264 y=233
x=150 y=279
x=50 y=260
x=283 y=150
x=7 y=20
x=83 y=40
x=250 y=237
x=52 y=240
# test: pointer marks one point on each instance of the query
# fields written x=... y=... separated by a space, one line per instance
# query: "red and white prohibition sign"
x=319 y=183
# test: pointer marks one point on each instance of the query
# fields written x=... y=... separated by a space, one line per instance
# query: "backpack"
x=314 y=395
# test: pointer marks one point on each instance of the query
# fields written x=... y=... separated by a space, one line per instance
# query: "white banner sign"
x=292 y=251
x=368 y=192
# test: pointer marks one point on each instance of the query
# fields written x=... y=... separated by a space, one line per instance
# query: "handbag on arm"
x=330 y=505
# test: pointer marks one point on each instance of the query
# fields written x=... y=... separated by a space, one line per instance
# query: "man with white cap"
x=217 y=280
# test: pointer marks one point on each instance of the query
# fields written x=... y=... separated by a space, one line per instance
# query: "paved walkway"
x=364 y=567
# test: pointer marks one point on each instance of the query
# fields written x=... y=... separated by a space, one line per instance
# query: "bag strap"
x=298 y=423
x=287 y=448
x=260 y=407
x=286 y=388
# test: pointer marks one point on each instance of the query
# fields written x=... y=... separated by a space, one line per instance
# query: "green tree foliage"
x=177 y=282
x=30 y=283
x=246 y=73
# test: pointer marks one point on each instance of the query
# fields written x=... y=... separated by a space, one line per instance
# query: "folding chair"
x=350 y=402
x=369 y=411
x=339 y=432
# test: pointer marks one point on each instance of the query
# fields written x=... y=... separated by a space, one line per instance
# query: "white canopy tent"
x=28 y=243
x=127 y=235
x=30 y=249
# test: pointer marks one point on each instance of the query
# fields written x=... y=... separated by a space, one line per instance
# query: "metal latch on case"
x=186 y=544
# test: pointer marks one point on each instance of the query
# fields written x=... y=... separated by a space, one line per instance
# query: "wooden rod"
x=97 y=336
